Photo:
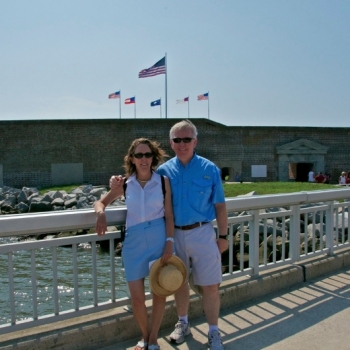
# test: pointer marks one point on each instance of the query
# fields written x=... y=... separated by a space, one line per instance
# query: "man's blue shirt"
x=195 y=188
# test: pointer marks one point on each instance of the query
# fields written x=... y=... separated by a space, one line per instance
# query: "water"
x=43 y=259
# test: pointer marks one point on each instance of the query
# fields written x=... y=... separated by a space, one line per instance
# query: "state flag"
x=186 y=99
x=155 y=103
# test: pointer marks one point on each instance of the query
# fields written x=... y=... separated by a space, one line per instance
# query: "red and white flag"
x=186 y=99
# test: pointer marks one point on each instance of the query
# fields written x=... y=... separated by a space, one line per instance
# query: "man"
x=311 y=176
x=198 y=198
x=319 y=178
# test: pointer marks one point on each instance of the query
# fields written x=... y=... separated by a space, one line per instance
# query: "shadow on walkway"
x=312 y=315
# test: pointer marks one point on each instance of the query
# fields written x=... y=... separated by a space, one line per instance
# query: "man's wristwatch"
x=170 y=239
x=223 y=237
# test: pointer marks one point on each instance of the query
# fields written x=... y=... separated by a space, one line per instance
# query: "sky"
x=263 y=62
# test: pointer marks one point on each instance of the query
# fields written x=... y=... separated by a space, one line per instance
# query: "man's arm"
x=221 y=220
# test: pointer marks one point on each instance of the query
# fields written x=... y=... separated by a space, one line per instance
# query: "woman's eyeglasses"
x=183 y=139
x=140 y=155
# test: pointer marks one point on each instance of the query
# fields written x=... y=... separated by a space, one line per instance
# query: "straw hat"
x=166 y=280
x=197 y=289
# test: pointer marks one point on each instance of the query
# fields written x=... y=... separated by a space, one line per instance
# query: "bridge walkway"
x=313 y=315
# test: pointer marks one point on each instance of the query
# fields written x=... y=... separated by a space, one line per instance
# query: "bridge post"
x=254 y=243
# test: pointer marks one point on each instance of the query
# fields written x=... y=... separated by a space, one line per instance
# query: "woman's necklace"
x=143 y=181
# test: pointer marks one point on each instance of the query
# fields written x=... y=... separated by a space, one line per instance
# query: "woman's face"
x=142 y=164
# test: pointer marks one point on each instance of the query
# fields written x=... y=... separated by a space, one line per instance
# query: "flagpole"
x=120 y=104
x=188 y=107
x=208 y=105
x=166 y=89
x=160 y=107
x=135 y=107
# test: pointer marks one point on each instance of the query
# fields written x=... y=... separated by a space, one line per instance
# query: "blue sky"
x=264 y=62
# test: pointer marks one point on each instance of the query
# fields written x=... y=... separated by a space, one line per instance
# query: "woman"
x=149 y=229
x=342 y=178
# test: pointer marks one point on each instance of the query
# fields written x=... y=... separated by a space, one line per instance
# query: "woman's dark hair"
x=158 y=155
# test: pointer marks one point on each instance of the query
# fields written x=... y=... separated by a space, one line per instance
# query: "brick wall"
x=28 y=148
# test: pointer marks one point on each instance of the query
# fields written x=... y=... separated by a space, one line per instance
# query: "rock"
x=10 y=201
x=33 y=196
x=76 y=191
x=22 y=208
x=97 y=192
x=22 y=197
x=58 y=202
x=70 y=202
x=83 y=203
x=36 y=207
x=30 y=191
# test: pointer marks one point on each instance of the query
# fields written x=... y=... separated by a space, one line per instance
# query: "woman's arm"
x=169 y=222
x=100 y=206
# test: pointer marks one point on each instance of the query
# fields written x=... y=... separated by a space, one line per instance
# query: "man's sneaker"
x=214 y=341
x=181 y=330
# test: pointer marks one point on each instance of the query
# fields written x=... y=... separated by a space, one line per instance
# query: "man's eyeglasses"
x=183 y=139
x=140 y=155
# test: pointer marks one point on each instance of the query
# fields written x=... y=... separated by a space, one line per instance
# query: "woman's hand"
x=168 y=252
x=101 y=223
x=116 y=182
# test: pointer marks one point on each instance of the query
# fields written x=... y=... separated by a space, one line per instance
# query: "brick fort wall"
x=29 y=148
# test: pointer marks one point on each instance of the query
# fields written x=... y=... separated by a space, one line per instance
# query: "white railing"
x=271 y=224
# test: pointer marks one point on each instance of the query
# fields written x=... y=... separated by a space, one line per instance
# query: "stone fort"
x=42 y=153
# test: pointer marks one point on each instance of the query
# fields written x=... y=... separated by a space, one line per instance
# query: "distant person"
x=319 y=178
x=237 y=177
x=327 y=177
x=347 y=180
x=342 y=178
x=311 y=176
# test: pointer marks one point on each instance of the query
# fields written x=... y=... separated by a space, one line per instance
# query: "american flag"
x=203 y=97
x=130 y=100
x=183 y=100
x=114 y=95
x=156 y=69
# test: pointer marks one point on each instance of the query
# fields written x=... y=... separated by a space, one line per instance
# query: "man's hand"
x=116 y=182
x=222 y=245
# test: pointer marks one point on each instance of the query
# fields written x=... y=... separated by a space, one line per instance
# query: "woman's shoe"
x=141 y=345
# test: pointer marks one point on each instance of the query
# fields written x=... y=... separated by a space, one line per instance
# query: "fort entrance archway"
x=297 y=158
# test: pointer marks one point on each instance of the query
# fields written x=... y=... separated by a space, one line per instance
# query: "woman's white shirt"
x=342 y=180
x=144 y=204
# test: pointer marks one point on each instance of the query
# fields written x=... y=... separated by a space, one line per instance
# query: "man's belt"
x=191 y=227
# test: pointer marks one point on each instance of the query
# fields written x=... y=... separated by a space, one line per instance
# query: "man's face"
x=184 y=151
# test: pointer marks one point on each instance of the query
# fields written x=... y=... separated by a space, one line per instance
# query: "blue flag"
x=155 y=103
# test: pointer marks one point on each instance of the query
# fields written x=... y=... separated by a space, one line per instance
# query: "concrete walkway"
x=311 y=315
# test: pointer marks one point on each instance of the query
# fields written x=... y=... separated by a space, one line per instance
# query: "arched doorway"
x=225 y=174
x=303 y=155
x=303 y=171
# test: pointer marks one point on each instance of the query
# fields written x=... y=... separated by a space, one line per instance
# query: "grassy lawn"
x=66 y=188
x=235 y=189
